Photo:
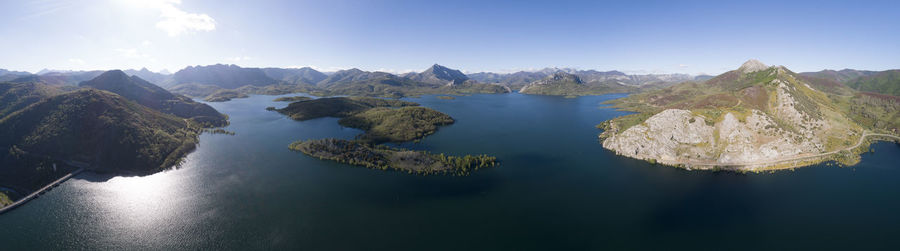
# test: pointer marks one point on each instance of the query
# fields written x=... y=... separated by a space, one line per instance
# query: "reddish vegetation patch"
x=713 y=101
x=756 y=97
x=728 y=77
x=669 y=98
x=822 y=84
x=881 y=96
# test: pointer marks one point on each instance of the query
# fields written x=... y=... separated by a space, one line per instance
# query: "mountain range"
x=202 y=81
x=568 y=84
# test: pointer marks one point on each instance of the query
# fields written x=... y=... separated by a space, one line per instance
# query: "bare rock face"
x=663 y=136
x=752 y=65
x=677 y=136
x=791 y=122
x=558 y=78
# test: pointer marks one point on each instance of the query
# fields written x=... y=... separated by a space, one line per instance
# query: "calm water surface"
x=556 y=188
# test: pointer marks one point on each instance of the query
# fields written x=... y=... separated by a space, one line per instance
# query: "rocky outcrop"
x=677 y=136
x=781 y=119
x=752 y=65
x=559 y=78
x=663 y=137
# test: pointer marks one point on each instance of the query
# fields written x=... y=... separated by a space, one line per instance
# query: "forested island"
x=383 y=121
x=291 y=99
x=381 y=157
x=224 y=95
x=4 y=199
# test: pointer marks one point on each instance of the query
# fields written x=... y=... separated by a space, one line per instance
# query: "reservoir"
x=556 y=188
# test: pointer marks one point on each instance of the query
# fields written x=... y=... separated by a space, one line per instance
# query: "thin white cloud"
x=683 y=65
x=77 y=61
x=146 y=43
x=132 y=53
x=174 y=20
x=238 y=58
x=317 y=68
x=393 y=71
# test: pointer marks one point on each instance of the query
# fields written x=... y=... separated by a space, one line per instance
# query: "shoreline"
x=792 y=162
x=37 y=193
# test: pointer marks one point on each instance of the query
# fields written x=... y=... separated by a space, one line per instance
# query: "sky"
x=638 y=37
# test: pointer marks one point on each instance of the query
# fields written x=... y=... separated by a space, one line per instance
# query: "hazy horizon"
x=399 y=36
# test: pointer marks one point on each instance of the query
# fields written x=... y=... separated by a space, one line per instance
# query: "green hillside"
x=154 y=97
x=105 y=130
x=886 y=82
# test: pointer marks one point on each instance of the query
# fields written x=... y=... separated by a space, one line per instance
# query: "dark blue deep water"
x=557 y=188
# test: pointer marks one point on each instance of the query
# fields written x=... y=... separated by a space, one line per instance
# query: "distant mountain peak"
x=439 y=75
x=117 y=75
x=752 y=65
x=565 y=77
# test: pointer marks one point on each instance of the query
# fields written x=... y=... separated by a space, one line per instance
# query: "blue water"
x=556 y=189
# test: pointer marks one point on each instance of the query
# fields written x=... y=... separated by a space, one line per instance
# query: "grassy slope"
x=396 y=125
x=576 y=89
x=336 y=107
x=886 y=82
x=15 y=96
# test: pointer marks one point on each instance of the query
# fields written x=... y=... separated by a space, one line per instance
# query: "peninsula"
x=754 y=118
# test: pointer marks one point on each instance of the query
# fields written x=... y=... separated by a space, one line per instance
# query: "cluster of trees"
x=876 y=112
x=385 y=158
x=463 y=165
x=4 y=199
x=292 y=99
x=344 y=151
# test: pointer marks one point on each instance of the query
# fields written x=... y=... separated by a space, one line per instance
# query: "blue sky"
x=502 y=36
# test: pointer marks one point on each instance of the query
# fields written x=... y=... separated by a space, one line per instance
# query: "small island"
x=292 y=99
x=224 y=95
x=337 y=107
x=383 y=121
x=384 y=124
x=381 y=157
x=5 y=199
x=446 y=97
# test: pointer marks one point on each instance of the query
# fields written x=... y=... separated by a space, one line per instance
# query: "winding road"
x=791 y=159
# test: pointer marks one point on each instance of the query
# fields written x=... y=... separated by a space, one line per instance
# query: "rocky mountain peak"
x=752 y=65
x=439 y=75
x=112 y=76
x=564 y=77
